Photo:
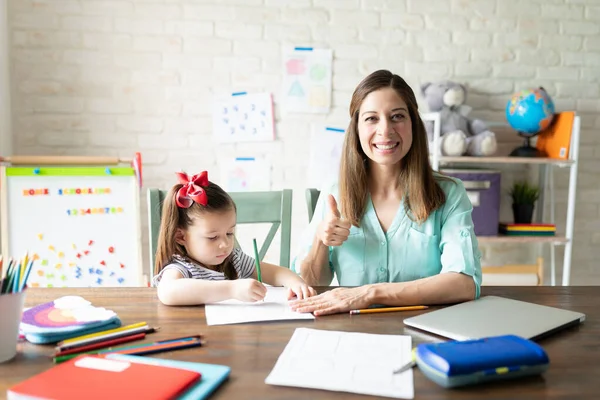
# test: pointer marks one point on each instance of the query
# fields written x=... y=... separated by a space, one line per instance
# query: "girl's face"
x=210 y=238
x=384 y=127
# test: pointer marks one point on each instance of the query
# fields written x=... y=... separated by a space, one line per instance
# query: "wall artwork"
x=246 y=174
x=243 y=117
x=307 y=80
x=325 y=153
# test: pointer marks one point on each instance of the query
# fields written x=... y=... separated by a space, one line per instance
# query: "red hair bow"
x=192 y=189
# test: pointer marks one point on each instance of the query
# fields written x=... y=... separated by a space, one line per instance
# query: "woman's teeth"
x=386 y=146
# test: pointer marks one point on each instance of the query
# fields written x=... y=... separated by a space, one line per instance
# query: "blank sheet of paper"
x=274 y=307
x=345 y=362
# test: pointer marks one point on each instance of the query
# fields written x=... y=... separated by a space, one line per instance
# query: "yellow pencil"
x=101 y=333
x=387 y=309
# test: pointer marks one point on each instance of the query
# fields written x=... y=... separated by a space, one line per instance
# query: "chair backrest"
x=273 y=207
x=312 y=195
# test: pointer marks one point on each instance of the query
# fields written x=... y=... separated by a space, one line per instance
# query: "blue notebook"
x=212 y=374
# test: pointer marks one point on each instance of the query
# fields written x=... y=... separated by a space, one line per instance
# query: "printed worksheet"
x=345 y=362
x=272 y=308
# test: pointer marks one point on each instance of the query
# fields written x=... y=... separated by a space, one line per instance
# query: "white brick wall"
x=111 y=77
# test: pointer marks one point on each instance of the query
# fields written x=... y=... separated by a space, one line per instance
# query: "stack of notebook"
x=527 y=229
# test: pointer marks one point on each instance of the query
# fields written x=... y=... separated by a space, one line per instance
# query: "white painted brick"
x=207 y=46
x=472 y=69
x=547 y=84
x=197 y=61
x=86 y=89
x=289 y=3
x=86 y=23
x=474 y=8
x=538 y=26
x=578 y=90
x=231 y=64
x=23 y=71
x=514 y=71
x=429 y=71
x=187 y=125
x=495 y=25
x=48 y=39
x=562 y=12
x=105 y=75
x=139 y=26
x=206 y=12
x=202 y=107
x=140 y=92
x=329 y=34
x=256 y=48
x=338 y=4
x=87 y=57
x=383 y=5
x=243 y=2
x=579 y=28
x=592 y=13
x=36 y=56
x=62 y=139
x=56 y=104
x=402 y=20
x=51 y=6
x=516 y=9
x=471 y=38
x=429 y=38
x=183 y=94
x=107 y=41
x=193 y=28
x=34 y=21
x=151 y=10
x=590 y=74
x=257 y=15
x=40 y=87
x=153 y=77
x=588 y=105
x=304 y=16
x=546 y=57
x=109 y=106
x=435 y=53
x=573 y=59
x=383 y=37
x=160 y=43
x=492 y=55
x=107 y=7
x=355 y=51
x=200 y=78
x=592 y=43
x=516 y=40
x=291 y=33
x=154 y=107
x=119 y=140
x=136 y=60
x=428 y=7
x=491 y=86
x=442 y=22
x=345 y=67
x=170 y=141
x=563 y=73
x=137 y=124
x=561 y=42
x=351 y=18
x=234 y=30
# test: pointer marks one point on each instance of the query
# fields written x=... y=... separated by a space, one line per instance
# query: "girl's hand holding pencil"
x=248 y=290
x=17 y=273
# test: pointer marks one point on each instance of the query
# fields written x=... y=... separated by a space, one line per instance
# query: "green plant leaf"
x=522 y=192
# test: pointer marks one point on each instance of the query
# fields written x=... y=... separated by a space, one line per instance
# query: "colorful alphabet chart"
x=81 y=225
x=243 y=117
x=307 y=79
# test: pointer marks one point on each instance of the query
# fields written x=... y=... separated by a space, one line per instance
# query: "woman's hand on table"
x=334 y=301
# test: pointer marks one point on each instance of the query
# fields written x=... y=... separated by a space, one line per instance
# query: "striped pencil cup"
x=11 y=313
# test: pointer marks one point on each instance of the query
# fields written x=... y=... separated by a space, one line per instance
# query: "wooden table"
x=252 y=349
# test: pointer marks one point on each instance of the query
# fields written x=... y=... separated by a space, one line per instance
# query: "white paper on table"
x=274 y=307
x=345 y=362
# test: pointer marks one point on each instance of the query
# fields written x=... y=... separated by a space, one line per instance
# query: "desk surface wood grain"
x=251 y=350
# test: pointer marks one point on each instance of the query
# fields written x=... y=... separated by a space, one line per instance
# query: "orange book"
x=556 y=140
x=93 y=377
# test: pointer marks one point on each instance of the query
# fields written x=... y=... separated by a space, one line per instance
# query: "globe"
x=529 y=112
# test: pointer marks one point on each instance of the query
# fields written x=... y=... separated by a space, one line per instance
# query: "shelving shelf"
x=546 y=183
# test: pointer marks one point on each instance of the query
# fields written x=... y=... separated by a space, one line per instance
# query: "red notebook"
x=93 y=377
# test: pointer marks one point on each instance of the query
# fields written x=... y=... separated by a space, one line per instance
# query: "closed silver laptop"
x=495 y=316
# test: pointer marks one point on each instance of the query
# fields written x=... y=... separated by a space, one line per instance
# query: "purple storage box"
x=483 y=188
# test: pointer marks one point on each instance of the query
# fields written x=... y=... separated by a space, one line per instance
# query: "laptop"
x=495 y=316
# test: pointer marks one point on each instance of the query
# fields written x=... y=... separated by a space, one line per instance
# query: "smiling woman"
x=403 y=234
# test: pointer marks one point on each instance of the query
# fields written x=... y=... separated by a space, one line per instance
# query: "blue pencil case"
x=461 y=363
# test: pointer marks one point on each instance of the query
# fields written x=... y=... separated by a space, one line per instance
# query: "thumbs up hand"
x=333 y=231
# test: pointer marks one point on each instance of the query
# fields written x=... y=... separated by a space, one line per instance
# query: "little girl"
x=196 y=262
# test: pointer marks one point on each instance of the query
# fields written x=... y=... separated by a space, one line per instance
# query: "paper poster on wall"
x=246 y=174
x=307 y=79
x=243 y=117
x=325 y=153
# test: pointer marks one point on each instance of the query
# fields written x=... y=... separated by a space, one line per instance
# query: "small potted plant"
x=524 y=196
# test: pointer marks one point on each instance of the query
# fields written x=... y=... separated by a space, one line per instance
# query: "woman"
x=402 y=234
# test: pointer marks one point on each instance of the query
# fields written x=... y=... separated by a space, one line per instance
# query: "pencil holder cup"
x=11 y=312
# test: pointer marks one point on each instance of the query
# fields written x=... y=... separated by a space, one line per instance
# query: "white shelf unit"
x=546 y=184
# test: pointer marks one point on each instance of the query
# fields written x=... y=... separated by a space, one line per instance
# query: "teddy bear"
x=459 y=134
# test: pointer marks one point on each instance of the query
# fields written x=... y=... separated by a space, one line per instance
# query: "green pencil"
x=257 y=261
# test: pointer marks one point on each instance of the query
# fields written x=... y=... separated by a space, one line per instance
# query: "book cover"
x=556 y=140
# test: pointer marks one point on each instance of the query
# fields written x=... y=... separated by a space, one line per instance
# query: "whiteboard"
x=81 y=225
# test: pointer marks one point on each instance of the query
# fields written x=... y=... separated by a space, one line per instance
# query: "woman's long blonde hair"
x=174 y=217
x=422 y=193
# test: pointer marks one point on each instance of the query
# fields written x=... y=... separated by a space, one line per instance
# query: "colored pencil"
x=387 y=309
x=99 y=339
x=257 y=261
x=101 y=345
x=101 y=333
